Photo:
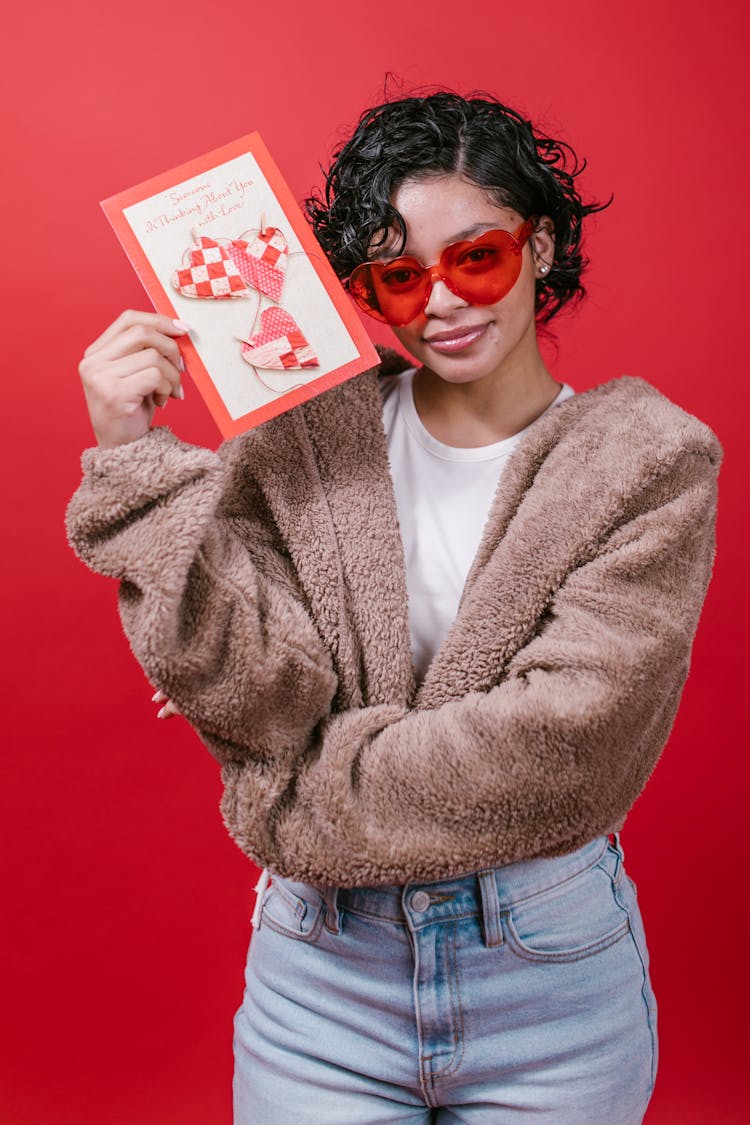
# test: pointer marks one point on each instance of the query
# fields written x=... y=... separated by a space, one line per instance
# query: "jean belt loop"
x=615 y=840
x=493 y=931
x=332 y=918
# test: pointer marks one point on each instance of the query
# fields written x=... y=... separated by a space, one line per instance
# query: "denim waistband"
x=484 y=892
x=514 y=882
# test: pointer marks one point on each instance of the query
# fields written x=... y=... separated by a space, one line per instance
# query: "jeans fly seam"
x=457 y=1022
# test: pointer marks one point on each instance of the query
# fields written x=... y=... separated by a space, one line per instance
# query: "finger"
x=168 y=711
x=147 y=371
x=135 y=318
x=138 y=337
x=152 y=382
x=131 y=318
x=122 y=399
x=137 y=354
x=159 y=697
x=162 y=400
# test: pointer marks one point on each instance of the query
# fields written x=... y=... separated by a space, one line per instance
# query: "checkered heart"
x=262 y=262
x=279 y=345
x=211 y=273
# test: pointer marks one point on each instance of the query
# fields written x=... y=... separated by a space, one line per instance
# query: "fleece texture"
x=263 y=589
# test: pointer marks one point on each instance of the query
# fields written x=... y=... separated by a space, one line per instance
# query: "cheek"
x=520 y=303
x=410 y=335
x=526 y=282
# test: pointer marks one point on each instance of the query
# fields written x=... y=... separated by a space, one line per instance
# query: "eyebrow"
x=461 y=236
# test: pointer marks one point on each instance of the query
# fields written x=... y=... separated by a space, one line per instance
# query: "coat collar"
x=345 y=431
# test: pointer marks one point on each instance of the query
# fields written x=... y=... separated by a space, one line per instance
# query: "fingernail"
x=182 y=325
x=161 y=714
x=156 y=697
x=181 y=363
x=179 y=392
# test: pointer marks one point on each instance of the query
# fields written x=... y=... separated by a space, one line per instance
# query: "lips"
x=455 y=339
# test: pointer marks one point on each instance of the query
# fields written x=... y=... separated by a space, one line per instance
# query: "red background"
x=125 y=908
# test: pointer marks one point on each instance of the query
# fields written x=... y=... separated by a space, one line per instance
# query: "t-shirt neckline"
x=454 y=452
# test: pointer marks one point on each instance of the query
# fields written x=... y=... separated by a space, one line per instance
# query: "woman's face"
x=456 y=340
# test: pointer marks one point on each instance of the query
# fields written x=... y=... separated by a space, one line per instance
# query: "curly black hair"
x=479 y=138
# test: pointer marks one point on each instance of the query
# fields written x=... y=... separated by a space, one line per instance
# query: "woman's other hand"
x=133 y=367
x=169 y=710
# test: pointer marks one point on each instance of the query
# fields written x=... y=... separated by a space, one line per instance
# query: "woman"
x=435 y=782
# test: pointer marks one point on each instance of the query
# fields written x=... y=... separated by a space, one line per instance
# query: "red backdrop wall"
x=124 y=906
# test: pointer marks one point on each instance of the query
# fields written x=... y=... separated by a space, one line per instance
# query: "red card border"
x=252 y=143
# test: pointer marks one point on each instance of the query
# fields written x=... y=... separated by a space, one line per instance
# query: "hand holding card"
x=220 y=242
x=133 y=367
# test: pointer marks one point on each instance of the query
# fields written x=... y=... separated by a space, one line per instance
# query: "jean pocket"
x=293 y=909
x=572 y=920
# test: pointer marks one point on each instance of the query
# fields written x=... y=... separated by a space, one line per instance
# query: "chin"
x=465 y=368
x=459 y=373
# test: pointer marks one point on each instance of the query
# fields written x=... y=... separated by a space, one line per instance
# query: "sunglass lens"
x=393 y=292
x=485 y=270
x=362 y=289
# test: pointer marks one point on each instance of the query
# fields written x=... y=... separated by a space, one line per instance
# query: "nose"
x=442 y=300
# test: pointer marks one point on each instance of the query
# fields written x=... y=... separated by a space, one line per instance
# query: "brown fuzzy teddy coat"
x=263 y=589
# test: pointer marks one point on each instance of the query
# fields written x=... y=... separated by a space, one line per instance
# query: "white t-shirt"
x=443 y=496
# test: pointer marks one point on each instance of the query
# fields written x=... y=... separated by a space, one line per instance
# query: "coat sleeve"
x=559 y=749
x=208 y=597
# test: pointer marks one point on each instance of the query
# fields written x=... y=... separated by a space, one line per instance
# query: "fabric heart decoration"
x=211 y=273
x=279 y=345
x=262 y=261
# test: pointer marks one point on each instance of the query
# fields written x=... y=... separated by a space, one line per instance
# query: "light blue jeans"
x=520 y=990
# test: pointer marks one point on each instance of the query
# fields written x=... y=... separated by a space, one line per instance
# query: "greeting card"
x=220 y=243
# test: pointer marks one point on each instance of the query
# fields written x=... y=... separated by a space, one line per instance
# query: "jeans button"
x=420 y=901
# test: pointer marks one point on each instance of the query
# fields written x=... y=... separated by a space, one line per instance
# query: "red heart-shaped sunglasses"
x=481 y=272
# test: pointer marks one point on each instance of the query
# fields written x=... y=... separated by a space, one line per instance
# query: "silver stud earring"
x=543 y=269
